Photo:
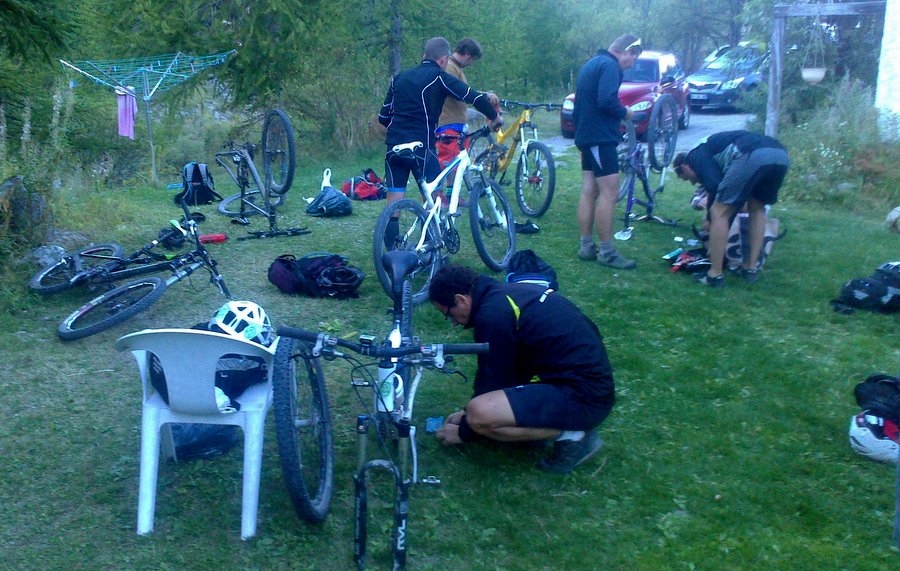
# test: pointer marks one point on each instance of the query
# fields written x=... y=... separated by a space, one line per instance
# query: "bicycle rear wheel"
x=56 y=277
x=303 y=429
x=112 y=308
x=411 y=223
x=231 y=205
x=535 y=179
x=492 y=223
x=279 y=160
x=662 y=132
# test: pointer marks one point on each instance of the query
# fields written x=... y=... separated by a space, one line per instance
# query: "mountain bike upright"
x=386 y=385
x=633 y=167
x=535 y=170
x=431 y=231
x=261 y=194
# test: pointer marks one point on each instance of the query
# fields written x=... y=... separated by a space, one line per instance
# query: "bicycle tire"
x=112 y=308
x=231 y=205
x=493 y=230
x=483 y=153
x=627 y=184
x=303 y=429
x=628 y=142
x=412 y=223
x=534 y=188
x=56 y=277
x=662 y=132
x=279 y=153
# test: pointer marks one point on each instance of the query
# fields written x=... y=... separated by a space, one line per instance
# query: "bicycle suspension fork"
x=361 y=498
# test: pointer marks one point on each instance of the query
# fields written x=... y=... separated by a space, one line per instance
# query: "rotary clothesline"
x=144 y=77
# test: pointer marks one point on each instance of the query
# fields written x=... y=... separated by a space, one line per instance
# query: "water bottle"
x=384 y=400
x=213 y=238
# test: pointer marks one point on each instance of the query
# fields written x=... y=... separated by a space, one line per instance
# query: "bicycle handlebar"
x=375 y=350
x=511 y=104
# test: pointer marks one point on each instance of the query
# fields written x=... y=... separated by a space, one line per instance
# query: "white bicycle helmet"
x=875 y=437
x=243 y=319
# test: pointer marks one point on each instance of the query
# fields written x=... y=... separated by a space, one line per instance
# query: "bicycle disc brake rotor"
x=451 y=239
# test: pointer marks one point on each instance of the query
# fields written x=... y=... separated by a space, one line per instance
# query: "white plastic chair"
x=188 y=358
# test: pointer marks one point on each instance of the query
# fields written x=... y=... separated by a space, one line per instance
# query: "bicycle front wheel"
x=303 y=429
x=535 y=179
x=279 y=160
x=662 y=132
x=231 y=205
x=112 y=308
x=410 y=218
x=492 y=223
x=56 y=277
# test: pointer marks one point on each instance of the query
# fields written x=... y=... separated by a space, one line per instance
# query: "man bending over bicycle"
x=410 y=112
x=533 y=332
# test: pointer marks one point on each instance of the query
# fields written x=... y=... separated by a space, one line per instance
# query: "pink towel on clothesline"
x=127 y=111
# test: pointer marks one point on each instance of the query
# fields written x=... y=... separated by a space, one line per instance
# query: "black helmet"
x=340 y=282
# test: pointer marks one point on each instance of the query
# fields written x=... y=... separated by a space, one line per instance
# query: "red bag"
x=365 y=187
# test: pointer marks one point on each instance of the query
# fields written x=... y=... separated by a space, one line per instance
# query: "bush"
x=837 y=155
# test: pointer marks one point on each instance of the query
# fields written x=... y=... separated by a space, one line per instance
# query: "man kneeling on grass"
x=533 y=332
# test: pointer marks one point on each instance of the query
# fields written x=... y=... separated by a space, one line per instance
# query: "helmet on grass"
x=875 y=437
x=243 y=319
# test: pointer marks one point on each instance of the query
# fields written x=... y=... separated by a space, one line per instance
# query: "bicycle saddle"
x=407 y=147
x=399 y=264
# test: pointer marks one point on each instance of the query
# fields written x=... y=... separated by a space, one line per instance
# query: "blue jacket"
x=598 y=112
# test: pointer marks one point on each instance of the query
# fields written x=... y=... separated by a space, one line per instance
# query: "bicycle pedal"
x=430 y=481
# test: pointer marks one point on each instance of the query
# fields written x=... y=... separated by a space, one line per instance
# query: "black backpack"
x=880 y=394
x=878 y=292
x=317 y=275
x=197 y=185
x=527 y=267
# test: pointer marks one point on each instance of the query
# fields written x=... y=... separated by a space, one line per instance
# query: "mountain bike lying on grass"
x=633 y=166
x=260 y=195
x=100 y=265
x=386 y=385
x=535 y=169
x=431 y=231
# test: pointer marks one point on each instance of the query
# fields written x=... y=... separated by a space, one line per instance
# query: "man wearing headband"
x=598 y=114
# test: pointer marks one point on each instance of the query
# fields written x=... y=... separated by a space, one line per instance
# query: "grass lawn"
x=727 y=448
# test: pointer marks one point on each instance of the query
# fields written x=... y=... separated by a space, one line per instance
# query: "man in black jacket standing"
x=533 y=332
x=598 y=114
x=411 y=110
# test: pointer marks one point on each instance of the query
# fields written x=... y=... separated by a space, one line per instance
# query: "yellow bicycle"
x=535 y=171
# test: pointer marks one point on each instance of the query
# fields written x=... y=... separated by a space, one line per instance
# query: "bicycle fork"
x=361 y=497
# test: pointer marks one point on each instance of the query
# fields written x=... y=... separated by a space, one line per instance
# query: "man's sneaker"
x=750 y=276
x=703 y=278
x=616 y=260
x=588 y=252
x=567 y=454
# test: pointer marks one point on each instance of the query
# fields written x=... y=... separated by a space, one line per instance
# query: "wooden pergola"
x=776 y=63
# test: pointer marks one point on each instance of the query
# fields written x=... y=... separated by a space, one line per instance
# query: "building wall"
x=886 y=94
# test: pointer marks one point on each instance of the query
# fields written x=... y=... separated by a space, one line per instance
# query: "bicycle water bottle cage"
x=399 y=264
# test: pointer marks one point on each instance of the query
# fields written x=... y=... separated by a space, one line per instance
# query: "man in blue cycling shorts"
x=410 y=112
x=546 y=377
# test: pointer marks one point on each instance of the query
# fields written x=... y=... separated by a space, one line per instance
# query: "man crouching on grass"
x=533 y=332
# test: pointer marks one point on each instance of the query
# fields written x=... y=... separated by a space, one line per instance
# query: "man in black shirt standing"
x=533 y=332
x=735 y=167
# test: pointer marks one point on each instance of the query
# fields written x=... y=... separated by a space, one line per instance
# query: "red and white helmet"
x=244 y=319
x=875 y=437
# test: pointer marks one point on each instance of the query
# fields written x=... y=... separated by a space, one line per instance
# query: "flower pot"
x=813 y=75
